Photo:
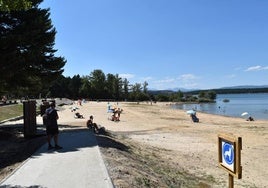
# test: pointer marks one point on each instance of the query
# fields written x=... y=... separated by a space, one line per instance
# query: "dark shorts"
x=52 y=130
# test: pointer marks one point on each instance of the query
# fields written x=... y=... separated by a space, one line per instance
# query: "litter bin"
x=29 y=117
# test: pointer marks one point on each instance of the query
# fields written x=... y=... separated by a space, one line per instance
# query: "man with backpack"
x=52 y=129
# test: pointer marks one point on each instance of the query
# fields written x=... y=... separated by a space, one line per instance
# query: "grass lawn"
x=10 y=111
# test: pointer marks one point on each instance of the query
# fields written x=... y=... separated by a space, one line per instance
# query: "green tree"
x=137 y=93
x=125 y=94
x=136 y=90
x=176 y=97
x=60 y=88
x=202 y=94
x=110 y=86
x=27 y=51
x=145 y=87
x=11 y=5
x=162 y=97
x=212 y=95
x=85 y=89
x=97 y=80
x=115 y=85
x=118 y=87
x=74 y=86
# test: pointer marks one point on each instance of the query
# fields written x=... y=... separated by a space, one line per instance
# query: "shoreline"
x=256 y=117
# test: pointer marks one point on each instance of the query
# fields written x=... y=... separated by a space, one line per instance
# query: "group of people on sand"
x=116 y=112
x=77 y=115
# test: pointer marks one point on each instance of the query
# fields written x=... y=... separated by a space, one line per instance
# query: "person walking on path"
x=52 y=129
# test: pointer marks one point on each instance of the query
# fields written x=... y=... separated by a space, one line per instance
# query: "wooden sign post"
x=230 y=156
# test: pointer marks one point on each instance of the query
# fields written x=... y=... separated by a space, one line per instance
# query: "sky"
x=191 y=44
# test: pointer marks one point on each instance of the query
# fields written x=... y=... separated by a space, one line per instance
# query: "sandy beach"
x=190 y=147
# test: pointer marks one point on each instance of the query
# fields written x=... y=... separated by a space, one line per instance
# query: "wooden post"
x=231 y=181
x=29 y=116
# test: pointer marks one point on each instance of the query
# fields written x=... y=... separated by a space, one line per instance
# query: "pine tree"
x=8 y=5
x=28 y=61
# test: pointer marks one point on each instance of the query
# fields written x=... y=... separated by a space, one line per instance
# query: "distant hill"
x=236 y=89
x=181 y=89
x=223 y=90
x=158 y=92
x=245 y=87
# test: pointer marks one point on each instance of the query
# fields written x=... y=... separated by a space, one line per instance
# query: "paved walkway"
x=78 y=164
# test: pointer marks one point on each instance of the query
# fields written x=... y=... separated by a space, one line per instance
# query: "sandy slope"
x=193 y=145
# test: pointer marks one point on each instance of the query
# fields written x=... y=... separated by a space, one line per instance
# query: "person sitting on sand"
x=250 y=118
x=78 y=115
x=194 y=118
x=116 y=115
x=92 y=125
x=73 y=109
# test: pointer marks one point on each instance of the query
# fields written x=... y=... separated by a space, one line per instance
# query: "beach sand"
x=177 y=142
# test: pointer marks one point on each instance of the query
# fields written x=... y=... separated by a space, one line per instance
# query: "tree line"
x=179 y=96
x=233 y=91
x=98 y=86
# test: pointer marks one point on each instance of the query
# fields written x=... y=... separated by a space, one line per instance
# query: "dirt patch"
x=131 y=164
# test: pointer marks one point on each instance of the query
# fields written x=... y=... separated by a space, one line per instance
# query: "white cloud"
x=167 y=80
x=165 y=83
x=127 y=76
x=188 y=80
x=256 y=68
x=146 y=78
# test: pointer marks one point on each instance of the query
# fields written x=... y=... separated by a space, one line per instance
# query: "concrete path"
x=78 y=164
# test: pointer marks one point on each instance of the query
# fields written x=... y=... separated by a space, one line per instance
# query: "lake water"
x=255 y=104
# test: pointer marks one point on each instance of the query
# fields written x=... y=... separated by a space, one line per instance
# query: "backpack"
x=49 y=117
x=44 y=116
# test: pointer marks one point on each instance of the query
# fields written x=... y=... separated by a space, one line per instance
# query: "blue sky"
x=189 y=44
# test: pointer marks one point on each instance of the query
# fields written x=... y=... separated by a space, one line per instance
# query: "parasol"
x=191 y=112
x=245 y=114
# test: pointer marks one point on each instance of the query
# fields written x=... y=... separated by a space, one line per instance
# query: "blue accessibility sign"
x=228 y=153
